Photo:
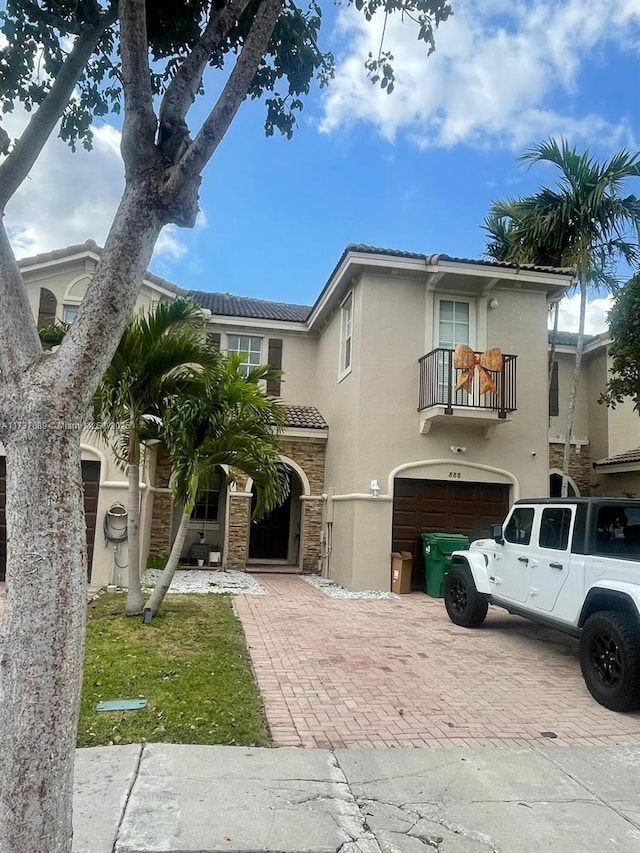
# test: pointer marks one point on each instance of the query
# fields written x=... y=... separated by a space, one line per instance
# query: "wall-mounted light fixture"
x=375 y=488
x=494 y=304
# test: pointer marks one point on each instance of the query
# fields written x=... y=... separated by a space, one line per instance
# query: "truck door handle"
x=523 y=559
x=556 y=566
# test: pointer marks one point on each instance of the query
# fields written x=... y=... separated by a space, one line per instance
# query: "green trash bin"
x=438 y=548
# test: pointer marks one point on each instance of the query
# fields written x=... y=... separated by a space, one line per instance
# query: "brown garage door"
x=91 y=480
x=441 y=506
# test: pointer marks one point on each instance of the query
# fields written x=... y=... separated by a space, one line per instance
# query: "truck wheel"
x=465 y=605
x=610 y=659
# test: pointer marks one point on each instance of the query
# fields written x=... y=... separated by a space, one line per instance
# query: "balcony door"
x=455 y=323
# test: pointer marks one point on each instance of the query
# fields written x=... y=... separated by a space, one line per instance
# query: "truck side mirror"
x=496 y=533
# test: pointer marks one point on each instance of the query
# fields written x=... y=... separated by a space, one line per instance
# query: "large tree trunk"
x=164 y=582
x=133 y=605
x=42 y=638
x=571 y=411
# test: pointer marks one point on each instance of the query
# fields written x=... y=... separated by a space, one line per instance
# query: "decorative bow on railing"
x=466 y=360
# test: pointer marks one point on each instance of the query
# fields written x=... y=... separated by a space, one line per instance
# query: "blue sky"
x=416 y=170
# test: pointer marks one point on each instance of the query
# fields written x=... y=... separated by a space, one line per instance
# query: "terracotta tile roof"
x=619 y=459
x=305 y=417
x=227 y=305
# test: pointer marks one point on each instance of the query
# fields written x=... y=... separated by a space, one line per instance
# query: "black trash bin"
x=438 y=548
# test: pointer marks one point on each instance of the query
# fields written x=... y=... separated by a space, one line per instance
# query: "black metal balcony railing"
x=438 y=379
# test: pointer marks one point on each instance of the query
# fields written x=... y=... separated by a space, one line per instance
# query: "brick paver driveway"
x=369 y=673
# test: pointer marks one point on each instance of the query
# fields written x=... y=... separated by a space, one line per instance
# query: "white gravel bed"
x=334 y=590
x=204 y=581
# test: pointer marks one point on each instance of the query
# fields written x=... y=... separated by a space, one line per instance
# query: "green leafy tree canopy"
x=37 y=44
x=624 y=326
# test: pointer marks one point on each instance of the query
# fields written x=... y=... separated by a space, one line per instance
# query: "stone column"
x=309 y=454
x=238 y=532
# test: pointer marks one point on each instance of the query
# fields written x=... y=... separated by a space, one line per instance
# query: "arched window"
x=47 y=308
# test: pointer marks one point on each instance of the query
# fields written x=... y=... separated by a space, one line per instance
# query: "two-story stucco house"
x=605 y=447
x=383 y=440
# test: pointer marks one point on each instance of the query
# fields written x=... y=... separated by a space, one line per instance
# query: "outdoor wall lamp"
x=375 y=488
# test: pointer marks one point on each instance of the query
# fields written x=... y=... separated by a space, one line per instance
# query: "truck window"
x=554 y=528
x=618 y=531
x=519 y=527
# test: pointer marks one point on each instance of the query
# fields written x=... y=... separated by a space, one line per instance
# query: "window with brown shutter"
x=47 y=308
x=275 y=361
x=554 y=409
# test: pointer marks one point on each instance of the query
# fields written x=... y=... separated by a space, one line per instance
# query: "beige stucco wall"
x=557 y=425
x=374 y=424
x=299 y=353
x=389 y=425
x=617 y=485
x=593 y=381
x=69 y=281
x=609 y=431
x=338 y=399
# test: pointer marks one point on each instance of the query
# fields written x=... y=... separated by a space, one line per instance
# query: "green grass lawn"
x=190 y=663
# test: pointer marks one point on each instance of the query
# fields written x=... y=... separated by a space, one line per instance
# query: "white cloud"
x=169 y=244
x=494 y=70
x=595 y=319
x=68 y=197
x=71 y=197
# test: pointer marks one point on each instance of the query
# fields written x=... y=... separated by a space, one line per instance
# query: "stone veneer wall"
x=579 y=465
x=309 y=454
x=160 y=537
x=237 y=543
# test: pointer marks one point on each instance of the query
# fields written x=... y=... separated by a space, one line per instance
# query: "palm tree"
x=583 y=223
x=227 y=420
x=161 y=355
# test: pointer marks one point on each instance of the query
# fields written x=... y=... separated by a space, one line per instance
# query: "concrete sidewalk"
x=200 y=799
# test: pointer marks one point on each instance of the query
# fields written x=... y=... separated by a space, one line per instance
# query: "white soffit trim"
x=249 y=323
x=620 y=468
x=301 y=432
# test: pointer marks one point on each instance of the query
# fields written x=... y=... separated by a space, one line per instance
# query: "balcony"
x=440 y=402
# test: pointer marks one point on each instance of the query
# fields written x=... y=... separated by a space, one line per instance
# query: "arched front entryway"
x=276 y=538
x=555 y=486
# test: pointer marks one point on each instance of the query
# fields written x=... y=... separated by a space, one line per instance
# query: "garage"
x=434 y=506
x=91 y=480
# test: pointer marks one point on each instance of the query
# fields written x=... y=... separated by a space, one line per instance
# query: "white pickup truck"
x=571 y=564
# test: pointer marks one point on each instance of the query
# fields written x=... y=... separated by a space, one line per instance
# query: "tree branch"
x=26 y=151
x=43 y=17
x=182 y=90
x=139 y=126
x=217 y=122
x=18 y=332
